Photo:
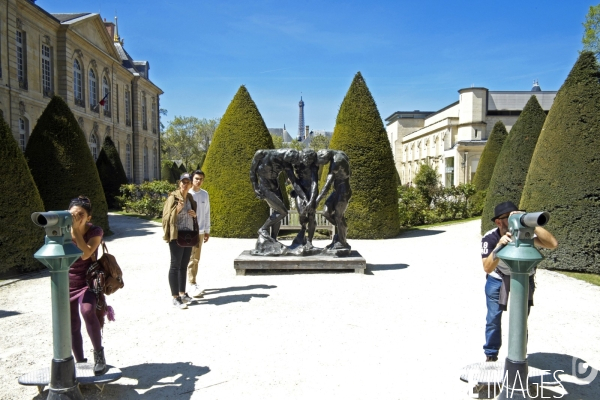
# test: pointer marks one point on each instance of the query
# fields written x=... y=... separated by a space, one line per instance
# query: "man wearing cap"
x=498 y=274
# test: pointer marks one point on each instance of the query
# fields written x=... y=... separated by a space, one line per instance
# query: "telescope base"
x=84 y=373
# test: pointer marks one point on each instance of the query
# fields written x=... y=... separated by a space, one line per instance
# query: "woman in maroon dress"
x=87 y=238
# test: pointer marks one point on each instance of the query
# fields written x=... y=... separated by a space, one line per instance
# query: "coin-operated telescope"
x=521 y=256
x=58 y=254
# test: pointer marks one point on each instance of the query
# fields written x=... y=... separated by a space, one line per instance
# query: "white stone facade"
x=452 y=139
x=80 y=58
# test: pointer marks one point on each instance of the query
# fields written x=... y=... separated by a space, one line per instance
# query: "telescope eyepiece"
x=45 y=219
x=531 y=220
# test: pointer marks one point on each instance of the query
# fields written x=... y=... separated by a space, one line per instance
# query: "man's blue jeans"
x=493 y=320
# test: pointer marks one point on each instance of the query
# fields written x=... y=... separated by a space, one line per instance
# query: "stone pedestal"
x=246 y=261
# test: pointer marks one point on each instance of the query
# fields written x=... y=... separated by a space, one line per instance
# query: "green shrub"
x=61 y=163
x=235 y=210
x=427 y=182
x=478 y=201
x=564 y=174
x=513 y=161
x=20 y=238
x=487 y=162
x=146 y=198
x=111 y=172
x=182 y=169
x=359 y=132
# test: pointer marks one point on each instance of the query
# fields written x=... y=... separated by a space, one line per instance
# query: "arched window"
x=93 y=90
x=23 y=133
x=106 y=96
x=77 y=84
x=128 y=161
x=146 y=177
x=94 y=146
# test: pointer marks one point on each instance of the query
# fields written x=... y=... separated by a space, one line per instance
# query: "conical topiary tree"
x=487 y=162
x=513 y=161
x=564 y=174
x=235 y=210
x=175 y=172
x=182 y=168
x=111 y=172
x=165 y=172
x=61 y=163
x=373 y=209
x=19 y=237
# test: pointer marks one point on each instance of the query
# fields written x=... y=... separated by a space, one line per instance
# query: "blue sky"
x=413 y=54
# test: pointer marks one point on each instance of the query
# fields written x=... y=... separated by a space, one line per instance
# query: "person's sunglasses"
x=83 y=200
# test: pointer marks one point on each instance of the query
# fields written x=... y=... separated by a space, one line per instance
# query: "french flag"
x=104 y=99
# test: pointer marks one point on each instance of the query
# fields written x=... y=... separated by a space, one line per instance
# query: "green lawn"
x=589 y=278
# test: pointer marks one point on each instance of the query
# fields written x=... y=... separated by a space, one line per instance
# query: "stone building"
x=81 y=58
x=452 y=139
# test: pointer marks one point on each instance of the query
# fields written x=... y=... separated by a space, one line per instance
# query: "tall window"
x=128 y=160
x=153 y=113
x=106 y=96
x=144 y=122
x=46 y=71
x=155 y=164
x=94 y=146
x=23 y=133
x=146 y=177
x=77 y=84
x=93 y=90
x=127 y=109
x=21 y=60
x=117 y=97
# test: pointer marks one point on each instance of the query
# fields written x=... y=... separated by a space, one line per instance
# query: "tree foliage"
x=564 y=174
x=188 y=139
x=513 y=161
x=277 y=141
x=61 y=163
x=487 y=162
x=19 y=237
x=359 y=132
x=319 y=142
x=427 y=182
x=235 y=210
x=111 y=172
x=591 y=33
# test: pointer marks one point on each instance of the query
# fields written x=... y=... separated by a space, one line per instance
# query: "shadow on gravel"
x=139 y=227
x=148 y=381
x=383 y=267
x=579 y=379
x=235 y=298
x=238 y=289
x=413 y=233
x=4 y=314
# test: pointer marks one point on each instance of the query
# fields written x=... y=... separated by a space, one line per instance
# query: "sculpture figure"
x=337 y=202
x=307 y=175
x=264 y=175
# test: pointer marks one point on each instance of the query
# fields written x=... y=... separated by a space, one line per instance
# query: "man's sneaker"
x=178 y=303
x=185 y=298
x=491 y=358
x=196 y=292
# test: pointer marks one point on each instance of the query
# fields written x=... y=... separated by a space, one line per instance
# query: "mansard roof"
x=64 y=17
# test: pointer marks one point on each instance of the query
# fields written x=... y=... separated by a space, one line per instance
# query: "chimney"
x=110 y=28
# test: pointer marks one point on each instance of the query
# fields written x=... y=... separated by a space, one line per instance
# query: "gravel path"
x=404 y=330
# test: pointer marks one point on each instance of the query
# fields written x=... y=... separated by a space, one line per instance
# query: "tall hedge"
x=61 y=162
x=235 y=210
x=19 y=237
x=564 y=175
x=490 y=153
x=513 y=161
x=111 y=172
x=359 y=132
